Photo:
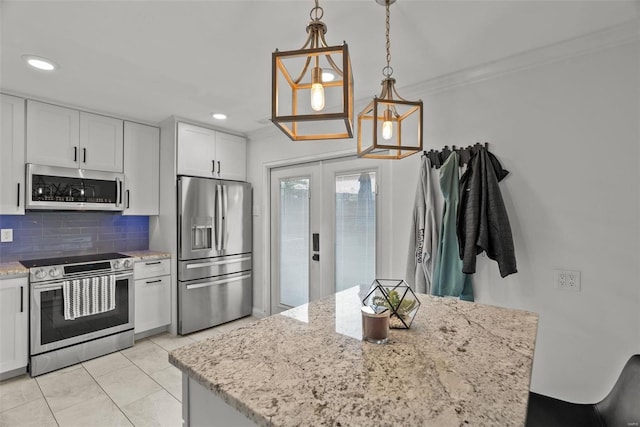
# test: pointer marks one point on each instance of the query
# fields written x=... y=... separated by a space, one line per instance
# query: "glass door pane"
x=294 y=241
x=355 y=232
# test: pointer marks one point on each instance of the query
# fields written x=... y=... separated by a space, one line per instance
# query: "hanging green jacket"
x=448 y=278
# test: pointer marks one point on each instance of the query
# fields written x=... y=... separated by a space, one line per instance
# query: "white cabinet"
x=232 y=152
x=141 y=169
x=12 y=156
x=153 y=294
x=210 y=154
x=101 y=143
x=14 y=323
x=59 y=136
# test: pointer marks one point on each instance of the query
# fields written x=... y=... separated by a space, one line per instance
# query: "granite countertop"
x=147 y=255
x=460 y=363
x=13 y=269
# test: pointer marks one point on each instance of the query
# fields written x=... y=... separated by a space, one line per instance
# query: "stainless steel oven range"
x=82 y=307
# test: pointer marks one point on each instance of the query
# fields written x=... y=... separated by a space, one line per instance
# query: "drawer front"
x=151 y=268
x=196 y=269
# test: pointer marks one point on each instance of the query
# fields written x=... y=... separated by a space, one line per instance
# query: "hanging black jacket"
x=483 y=224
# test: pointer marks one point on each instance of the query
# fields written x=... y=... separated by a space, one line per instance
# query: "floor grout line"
x=108 y=395
x=227 y=327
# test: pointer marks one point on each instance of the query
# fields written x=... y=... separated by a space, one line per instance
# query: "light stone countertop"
x=13 y=269
x=460 y=363
x=147 y=255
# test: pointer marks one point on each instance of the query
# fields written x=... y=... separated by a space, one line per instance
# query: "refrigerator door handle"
x=218 y=282
x=218 y=217
x=214 y=263
x=223 y=244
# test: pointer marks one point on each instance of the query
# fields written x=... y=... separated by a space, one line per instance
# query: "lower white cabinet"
x=153 y=294
x=14 y=324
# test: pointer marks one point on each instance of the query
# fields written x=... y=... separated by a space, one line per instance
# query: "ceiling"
x=149 y=60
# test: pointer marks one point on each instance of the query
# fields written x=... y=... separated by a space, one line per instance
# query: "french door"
x=323 y=229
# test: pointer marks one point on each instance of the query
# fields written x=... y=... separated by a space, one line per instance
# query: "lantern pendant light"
x=390 y=127
x=312 y=87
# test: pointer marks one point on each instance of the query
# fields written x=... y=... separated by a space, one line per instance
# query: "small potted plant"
x=398 y=297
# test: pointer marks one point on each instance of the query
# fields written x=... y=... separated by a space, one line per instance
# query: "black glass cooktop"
x=44 y=262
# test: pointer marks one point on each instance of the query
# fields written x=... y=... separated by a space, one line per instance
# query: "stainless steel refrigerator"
x=214 y=252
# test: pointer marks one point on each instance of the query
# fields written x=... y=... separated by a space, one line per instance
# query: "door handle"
x=127 y=199
x=215 y=263
x=213 y=166
x=218 y=282
x=218 y=168
x=75 y=153
x=18 y=194
x=316 y=242
x=224 y=216
x=218 y=213
x=118 y=192
x=153 y=281
x=84 y=155
x=153 y=263
x=21 y=299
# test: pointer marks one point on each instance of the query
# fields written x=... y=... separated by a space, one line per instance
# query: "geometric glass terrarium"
x=398 y=297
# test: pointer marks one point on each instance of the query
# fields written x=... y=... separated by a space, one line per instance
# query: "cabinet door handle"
x=75 y=153
x=84 y=155
x=127 y=199
x=218 y=167
x=153 y=263
x=153 y=281
x=18 y=194
x=213 y=166
x=21 y=299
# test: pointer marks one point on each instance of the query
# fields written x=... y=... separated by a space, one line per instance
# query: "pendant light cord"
x=387 y=71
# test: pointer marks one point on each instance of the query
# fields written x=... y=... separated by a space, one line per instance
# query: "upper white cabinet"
x=101 y=143
x=141 y=169
x=196 y=150
x=211 y=154
x=232 y=152
x=12 y=156
x=59 y=136
x=14 y=324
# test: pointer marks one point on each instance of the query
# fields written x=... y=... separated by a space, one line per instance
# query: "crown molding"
x=621 y=34
x=624 y=33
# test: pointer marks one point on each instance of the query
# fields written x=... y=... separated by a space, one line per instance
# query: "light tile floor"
x=133 y=387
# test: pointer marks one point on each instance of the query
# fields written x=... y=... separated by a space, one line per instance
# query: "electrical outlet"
x=567 y=279
x=6 y=235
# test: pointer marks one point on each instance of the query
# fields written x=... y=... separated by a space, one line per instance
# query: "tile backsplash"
x=54 y=234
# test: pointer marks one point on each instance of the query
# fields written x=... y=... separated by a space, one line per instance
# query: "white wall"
x=568 y=131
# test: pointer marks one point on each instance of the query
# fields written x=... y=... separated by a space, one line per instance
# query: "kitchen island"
x=460 y=363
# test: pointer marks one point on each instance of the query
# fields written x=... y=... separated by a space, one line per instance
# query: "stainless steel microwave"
x=51 y=187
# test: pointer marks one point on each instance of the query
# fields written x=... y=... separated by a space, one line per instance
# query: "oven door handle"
x=58 y=285
x=45 y=288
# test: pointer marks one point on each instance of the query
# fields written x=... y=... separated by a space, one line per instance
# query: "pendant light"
x=312 y=87
x=390 y=127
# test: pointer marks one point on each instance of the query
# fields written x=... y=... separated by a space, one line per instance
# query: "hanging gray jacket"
x=483 y=224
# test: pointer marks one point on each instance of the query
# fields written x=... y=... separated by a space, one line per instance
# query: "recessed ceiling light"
x=328 y=76
x=40 y=63
x=219 y=116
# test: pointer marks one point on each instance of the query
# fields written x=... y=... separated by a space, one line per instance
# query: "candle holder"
x=398 y=297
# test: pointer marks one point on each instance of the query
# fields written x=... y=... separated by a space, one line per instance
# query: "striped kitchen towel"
x=88 y=296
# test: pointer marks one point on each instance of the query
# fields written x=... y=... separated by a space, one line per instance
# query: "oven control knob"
x=127 y=263
x=54 y=272
x=117 y=264
x=40 y=273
